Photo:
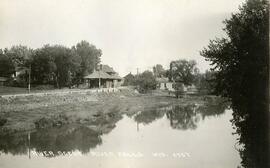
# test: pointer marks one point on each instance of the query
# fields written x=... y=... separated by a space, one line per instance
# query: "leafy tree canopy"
x=56 y=64
x=241 y=64
x=183 y=71
x=20 y=55
x=146 y=81
x=159 y=71
x=6 y=66
x=90 y=56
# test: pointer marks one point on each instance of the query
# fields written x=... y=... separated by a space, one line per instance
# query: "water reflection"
x=65 y=139
x=53 y=140
x=149 y=115
x=183 y=117
x=84 y=137
x=251 y=124
x=14 y=143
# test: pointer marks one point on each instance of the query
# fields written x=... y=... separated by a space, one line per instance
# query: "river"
x=171 y=136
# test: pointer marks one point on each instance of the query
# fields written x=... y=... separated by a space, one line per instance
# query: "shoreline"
x=33 y=112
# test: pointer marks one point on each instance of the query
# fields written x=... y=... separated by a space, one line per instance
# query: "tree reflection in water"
x=183 y=117
x=84 y=137
x=53 y=141
x=251 y=121
x=13 y=143
x=65 y=139
x=148 y=116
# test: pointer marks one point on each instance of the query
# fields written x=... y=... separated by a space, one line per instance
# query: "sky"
x=131 y=33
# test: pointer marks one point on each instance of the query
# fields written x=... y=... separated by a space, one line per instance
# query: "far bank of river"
x=30 y=112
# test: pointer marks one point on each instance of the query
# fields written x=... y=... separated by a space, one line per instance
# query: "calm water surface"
x=173 y=136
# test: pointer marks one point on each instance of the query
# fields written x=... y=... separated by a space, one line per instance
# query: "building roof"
x=98 y=74
x=102 y=75
x=115 y=76
x=107 y=68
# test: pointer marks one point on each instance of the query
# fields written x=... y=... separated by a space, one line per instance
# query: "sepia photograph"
x=134 y=84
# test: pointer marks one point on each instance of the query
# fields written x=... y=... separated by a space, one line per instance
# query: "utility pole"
x=29 y=79
x=99 y=80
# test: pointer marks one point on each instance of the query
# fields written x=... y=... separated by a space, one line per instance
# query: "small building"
x=105 y=77
x=164 y=84
x=3 y=80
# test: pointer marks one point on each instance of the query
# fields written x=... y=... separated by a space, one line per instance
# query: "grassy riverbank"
x=31 y=112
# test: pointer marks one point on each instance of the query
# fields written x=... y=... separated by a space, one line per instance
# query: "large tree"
x=20 y=55
x=6 y=66
x=67 y=65
x=158 y=70
x=55 y=64
x=241 y=63
x=183 y=71
x=90 y=56
x=205 y=82
x=43 y=66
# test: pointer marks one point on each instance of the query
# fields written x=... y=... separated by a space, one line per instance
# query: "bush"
x=146 y=82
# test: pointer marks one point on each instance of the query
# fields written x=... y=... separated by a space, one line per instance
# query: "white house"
x=164 y=84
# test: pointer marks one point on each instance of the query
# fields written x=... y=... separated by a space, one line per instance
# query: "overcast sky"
x=131 y=33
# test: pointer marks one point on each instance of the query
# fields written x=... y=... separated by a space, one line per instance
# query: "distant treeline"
x=180 y=72
x=52 y=64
